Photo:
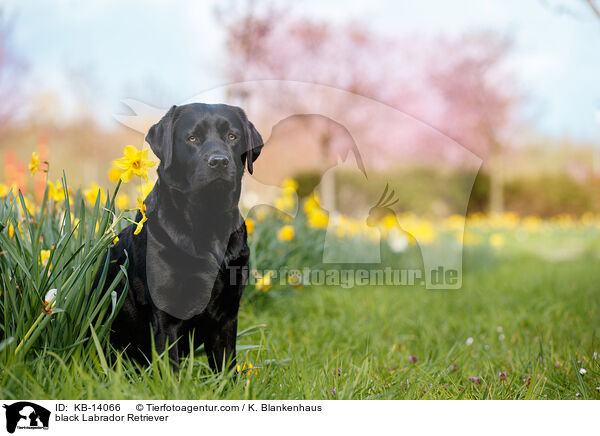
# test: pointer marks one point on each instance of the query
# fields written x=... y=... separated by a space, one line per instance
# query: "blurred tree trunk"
x=496 y=171
x=328 y=180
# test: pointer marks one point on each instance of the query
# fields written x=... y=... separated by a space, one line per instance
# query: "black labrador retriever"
x=188 y=266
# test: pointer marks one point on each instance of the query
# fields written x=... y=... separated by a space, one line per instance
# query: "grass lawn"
x=534 y=321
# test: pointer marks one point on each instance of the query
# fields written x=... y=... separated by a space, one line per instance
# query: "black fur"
x=181 y=279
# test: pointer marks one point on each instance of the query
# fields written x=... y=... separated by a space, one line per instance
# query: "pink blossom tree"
x=478 y=98
x=456 y=86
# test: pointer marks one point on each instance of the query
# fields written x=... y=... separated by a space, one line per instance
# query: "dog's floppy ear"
x=160 y=138
x=255 y=145
x=254 y=142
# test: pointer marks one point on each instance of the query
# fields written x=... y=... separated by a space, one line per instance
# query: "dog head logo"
x=26 y=415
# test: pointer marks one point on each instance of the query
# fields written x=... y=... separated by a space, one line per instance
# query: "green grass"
x=528 y=309
x=357 y=343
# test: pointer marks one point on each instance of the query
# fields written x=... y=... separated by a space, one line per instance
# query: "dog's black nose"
x=218 y=160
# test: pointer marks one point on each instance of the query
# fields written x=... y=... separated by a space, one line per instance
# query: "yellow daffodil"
x=532 y=223
x=285 y=203
x=261 y=214
x=145 y=188
x=44 y=256
x=4 y=190
x=318 y=219
x=56 y=192
x=134 y=162
x=249 y=225
x=496 y=240
x=346 y=227
x=122 y=201
x=286 y=233
x=34 y=163
x=91 y=194
x=29 y=206
x=141 y=205
x=389 y=221
x=140 y=225
x=13 y=187
x=289 y=184
x=587 y=218
x=313 y=202
x=265 y=282
x=114 y=174
x=423 y=231
x=247 y=368
x=116 y=240
x=142 y=209
x=454 y=222
x=469 y=238
x=11 y=230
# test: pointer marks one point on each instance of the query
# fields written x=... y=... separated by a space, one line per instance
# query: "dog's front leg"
x=220 y=346
x=166 y=333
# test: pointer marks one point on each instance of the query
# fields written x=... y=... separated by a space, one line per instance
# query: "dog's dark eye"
x=192 y=139
x=232 y=137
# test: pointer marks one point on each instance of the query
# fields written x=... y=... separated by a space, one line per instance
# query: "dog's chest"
x=179 y=284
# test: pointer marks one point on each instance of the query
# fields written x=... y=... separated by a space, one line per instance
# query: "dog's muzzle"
x=218 y=161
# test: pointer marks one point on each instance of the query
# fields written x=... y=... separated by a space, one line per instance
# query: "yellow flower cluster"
x=348 y=228
x=316 y=216
x=246 y=368
x=5 y=189
x=286 y=202
x=91 y=194
x=56 y=191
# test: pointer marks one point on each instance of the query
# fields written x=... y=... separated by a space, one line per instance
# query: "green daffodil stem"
x=29 y=332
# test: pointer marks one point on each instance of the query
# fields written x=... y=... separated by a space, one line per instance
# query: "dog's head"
x=203 y=146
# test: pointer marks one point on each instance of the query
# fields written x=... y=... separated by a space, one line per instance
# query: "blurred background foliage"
x=471 y=96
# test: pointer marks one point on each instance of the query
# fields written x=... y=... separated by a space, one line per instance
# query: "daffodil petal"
x=127 y=175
